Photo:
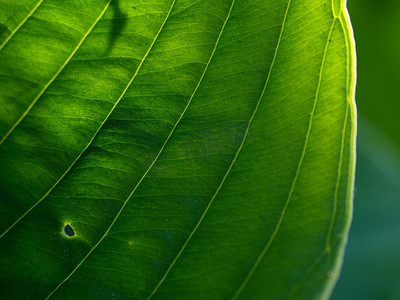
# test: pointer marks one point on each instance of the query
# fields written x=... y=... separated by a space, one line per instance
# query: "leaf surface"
x=371 y=264
x=175 y=149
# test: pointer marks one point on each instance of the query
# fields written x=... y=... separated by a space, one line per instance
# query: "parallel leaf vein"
x=55 y=75
x=98 y=130
x=126 y=201
x=233 y=161
x=30 y=107
x=327 y=248
x=159 y=153
x=284 y=210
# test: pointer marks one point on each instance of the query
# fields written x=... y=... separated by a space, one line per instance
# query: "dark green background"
x=371 y=267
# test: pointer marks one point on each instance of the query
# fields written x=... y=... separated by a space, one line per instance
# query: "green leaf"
x=371 y=264
x=175 y=149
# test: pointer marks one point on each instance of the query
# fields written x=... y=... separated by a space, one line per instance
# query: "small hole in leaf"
x=69 y=231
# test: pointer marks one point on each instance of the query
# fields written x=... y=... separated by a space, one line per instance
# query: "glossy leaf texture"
x=175 y=149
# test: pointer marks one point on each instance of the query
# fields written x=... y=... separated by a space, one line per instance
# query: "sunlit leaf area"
x=176 y=149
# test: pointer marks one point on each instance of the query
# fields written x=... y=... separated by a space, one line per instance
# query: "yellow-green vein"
x=158 y=155
x=274 y=234
x=21 y=23
x=55 y=75
x=351 y=72
x=118 y=214
x=350 y=97
x=95 y=134
x=233 y=161
x=327 y=248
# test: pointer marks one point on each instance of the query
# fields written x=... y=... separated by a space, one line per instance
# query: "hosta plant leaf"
x=174 y=149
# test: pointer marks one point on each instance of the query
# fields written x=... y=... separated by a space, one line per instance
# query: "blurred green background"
x=371 y=269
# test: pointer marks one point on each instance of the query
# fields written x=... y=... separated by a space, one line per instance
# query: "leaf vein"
x=29 y=108
x=159 y=153
x=126 y=201
x=21 y=23
x=327 y=248
x=284 y=210
x=233 y=161
x=95 y=134
x=54 y=76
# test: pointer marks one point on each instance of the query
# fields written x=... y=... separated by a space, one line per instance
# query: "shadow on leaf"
x=117 y=24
